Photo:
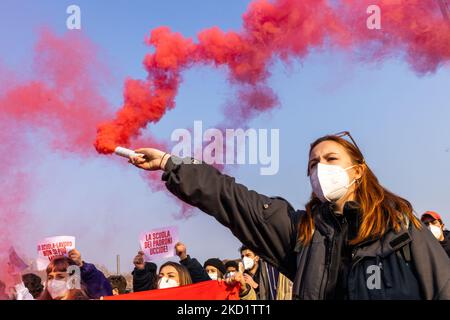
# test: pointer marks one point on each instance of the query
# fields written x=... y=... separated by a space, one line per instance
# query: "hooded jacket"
x=268 y=226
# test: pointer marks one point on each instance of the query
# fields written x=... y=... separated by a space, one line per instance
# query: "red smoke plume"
x=59 y=101
x=62 y=96
x=284 y=29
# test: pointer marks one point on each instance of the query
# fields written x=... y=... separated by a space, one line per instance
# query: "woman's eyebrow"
x=325 y=156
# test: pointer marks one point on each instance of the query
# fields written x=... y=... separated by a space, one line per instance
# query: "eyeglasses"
x=347 y=133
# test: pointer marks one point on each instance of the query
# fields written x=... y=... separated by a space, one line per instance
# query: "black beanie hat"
x=217 y=263
x=232 y=263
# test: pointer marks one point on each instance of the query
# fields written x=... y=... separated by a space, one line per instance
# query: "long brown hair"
x=183 y=272
x=380 y=208
x=61 y=264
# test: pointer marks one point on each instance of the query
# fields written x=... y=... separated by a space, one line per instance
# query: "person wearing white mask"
x=268 y=283
x=215 y=268
x=354 y=240
x=60 y=285
x=434 y=223
x=172 y=274
x=253 y=275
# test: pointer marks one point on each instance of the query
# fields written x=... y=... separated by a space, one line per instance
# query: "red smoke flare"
x=284 y=29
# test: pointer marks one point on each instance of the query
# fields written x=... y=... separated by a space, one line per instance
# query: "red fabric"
x=207 y=290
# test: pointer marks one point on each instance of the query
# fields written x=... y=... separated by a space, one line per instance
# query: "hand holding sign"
x=138 y=261
x=75 y=255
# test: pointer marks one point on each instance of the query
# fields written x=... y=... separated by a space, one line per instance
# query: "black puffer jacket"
x=406 y=265
x=198 y=274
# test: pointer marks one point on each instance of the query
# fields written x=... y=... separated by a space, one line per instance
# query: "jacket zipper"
x=329 y=251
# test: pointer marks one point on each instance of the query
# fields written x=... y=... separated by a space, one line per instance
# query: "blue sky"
x=399 y=119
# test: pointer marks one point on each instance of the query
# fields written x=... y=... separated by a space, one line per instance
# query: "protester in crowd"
x=231 y=266
x=118 y=284
x=215 y=268
x=246 y=292
x=144 y=274
x=196 y=271
x=34 y=284
x=96 y=283
x=268 y=283
x=434 y=222
x=172 y=274
x=60 y=285
x=3 y=294
x=352 y=227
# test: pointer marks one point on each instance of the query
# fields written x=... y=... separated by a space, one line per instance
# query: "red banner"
x=207 y=290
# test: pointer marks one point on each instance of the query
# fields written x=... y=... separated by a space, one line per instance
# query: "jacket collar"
x=326 y=222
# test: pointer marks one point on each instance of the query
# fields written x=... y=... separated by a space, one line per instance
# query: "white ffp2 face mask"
x=213 y=275
x=165 y=283
x=330 y=182
x=436 y=231
x=57 y=288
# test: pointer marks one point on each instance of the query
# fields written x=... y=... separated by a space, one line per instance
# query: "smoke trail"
x=283 y=29
x=60 y=103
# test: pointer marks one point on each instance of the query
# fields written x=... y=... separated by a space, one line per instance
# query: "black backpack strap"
x=400 y=244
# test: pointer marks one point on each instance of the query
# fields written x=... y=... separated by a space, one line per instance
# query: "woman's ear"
x=359 y=171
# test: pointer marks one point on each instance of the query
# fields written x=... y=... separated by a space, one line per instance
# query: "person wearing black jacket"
x=259 y=275
x=198 y=274
x=354 y=240
x=144 y=274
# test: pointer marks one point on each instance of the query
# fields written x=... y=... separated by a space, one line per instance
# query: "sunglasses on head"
x=347 y=133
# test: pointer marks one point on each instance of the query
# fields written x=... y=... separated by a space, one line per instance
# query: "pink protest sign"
x=159 y=243
x=49 y=248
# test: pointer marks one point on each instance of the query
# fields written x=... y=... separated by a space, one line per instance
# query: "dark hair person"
x=34 y=284
x=355 y=240
x=59 y=285
x=118 y=284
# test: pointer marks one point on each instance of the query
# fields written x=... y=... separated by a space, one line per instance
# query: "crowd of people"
x=354 y=240
x=258 y=280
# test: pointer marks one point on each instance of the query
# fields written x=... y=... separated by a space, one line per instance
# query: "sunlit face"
x=169 y=272
x=332 y=153
x=211 y=269
x=249 y=254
